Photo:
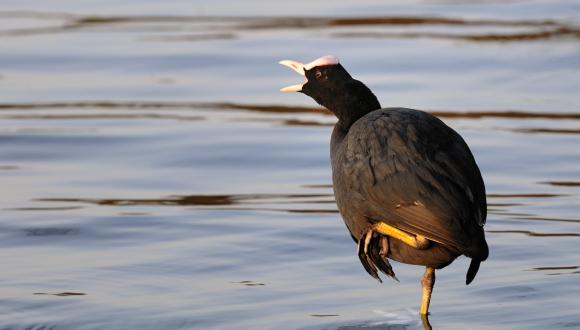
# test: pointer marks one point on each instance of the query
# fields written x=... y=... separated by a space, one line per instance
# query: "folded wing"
x=417 y=174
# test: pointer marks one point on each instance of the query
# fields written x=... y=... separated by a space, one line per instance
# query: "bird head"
x=323 y=76
x=329 y=84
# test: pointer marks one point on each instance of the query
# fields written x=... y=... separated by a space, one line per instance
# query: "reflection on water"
x=153 y=177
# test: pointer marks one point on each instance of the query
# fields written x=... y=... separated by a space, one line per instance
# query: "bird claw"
x=373 y=249
x=365 y=257
x=382 y=261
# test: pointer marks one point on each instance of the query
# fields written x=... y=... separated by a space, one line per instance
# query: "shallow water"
x=153 y=177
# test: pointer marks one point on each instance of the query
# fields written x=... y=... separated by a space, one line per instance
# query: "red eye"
x=318 y=74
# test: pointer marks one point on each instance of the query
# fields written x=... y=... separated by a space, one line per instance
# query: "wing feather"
x=415 y=173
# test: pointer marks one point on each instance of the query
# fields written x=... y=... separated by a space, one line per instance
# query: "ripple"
x=56 y=208
x=249 y=283
x=547 y=130
x=488 y=37
x=269 y=108
x=191 y=37
x=317 y=186
x=533 y=234
x=104 y=116
x=9 y=167
x=234 y=202
x=203 y=200
x=537 y=218
x=562 y=270
x=51 y=231
x=562 y=183
x=61 y=294
x=324 y=315
x=230 y=26
x=524 y=195
x=274 y=108
x=556 y=268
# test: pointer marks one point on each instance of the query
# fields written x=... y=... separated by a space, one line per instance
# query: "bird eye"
x=317 y=74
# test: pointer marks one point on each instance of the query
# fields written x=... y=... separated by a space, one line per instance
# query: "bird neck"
x=354 y=103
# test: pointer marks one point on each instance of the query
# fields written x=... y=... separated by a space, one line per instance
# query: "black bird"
x=406 y=184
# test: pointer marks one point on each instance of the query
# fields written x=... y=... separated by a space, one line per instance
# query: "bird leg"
x=416 y=241
x=427 y=283
x=426 y=323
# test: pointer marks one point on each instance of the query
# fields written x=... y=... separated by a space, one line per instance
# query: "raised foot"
x=372 y=252
x=417 y=241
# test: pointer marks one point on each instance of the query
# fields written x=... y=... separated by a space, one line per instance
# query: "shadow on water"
x=228 y=27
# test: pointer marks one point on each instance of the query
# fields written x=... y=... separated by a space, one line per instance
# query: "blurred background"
x=153 y=177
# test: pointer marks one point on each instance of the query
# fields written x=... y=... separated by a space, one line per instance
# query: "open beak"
x=299 y=68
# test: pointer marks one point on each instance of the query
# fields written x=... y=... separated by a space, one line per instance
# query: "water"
x=153 y=177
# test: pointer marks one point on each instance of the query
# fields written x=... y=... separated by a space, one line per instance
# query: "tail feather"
x=478 y=253
x=472 y=271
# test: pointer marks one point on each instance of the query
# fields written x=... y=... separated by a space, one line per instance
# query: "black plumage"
x=402 y=167
x=410 y=170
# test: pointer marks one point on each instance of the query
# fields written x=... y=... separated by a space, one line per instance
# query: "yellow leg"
x=427 y=282
x=418 y=242
x=426 y=323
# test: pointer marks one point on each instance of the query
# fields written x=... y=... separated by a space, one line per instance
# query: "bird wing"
x=416 y=174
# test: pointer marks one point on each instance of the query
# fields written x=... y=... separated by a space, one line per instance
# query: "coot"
x=406 y=184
